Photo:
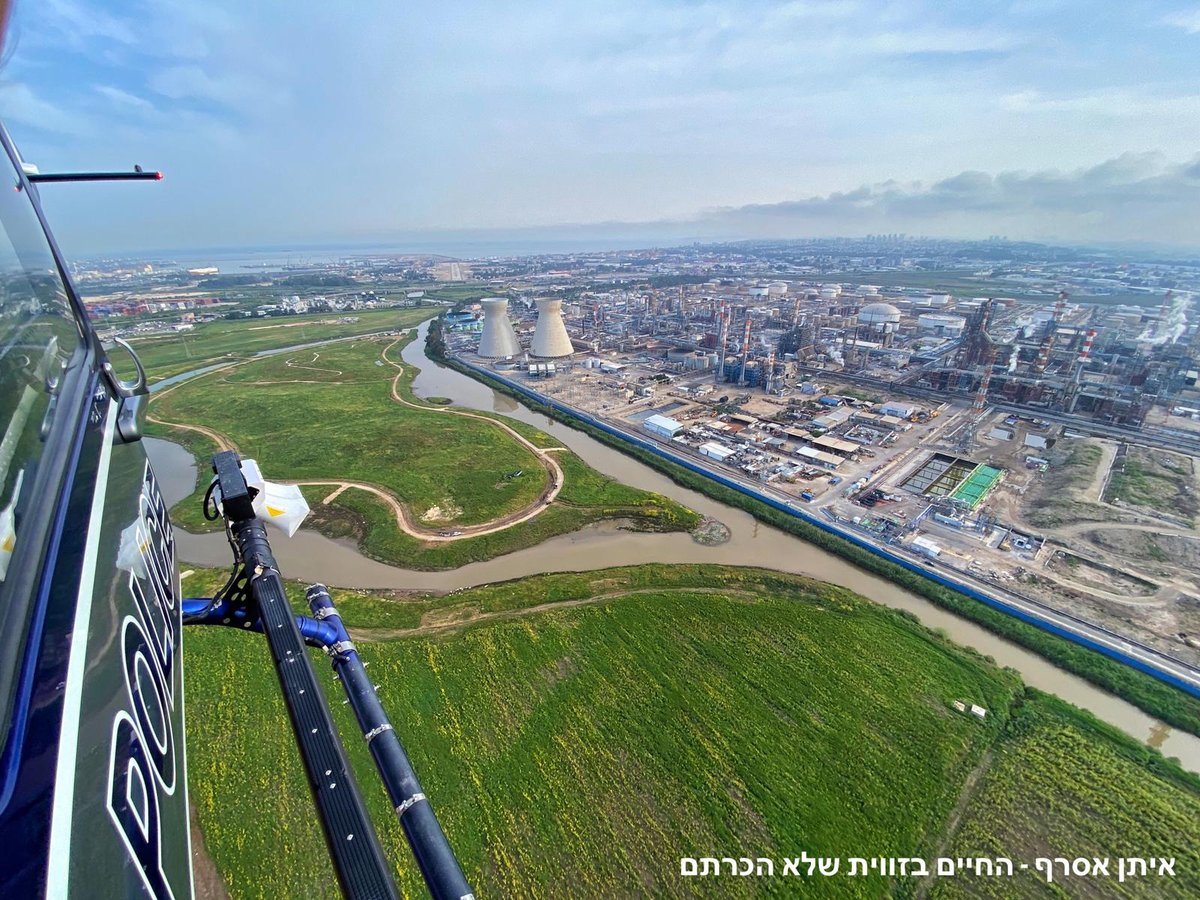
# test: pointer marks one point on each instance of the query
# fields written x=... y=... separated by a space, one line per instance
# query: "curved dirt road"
x=404 y=520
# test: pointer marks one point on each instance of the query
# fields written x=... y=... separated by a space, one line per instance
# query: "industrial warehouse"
x=943 y=428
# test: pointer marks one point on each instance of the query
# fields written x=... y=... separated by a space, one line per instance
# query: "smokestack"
x=745 y=349
x=1088 y=340
x=724 y=319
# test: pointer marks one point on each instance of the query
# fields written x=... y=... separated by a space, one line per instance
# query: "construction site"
x=1041 y=449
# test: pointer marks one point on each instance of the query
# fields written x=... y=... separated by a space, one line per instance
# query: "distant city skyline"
x=656 y=121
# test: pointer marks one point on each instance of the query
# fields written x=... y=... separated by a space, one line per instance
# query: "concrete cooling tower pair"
x=550 y=339
x=498 y=341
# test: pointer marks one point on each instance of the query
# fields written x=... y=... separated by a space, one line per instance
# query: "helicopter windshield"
x=40 y=337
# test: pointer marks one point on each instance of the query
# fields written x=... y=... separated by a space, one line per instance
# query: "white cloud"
x=1188 y=20
x=533 y=112
x=244 y=91
x=1136 y=196
x=80 y=24
x=21 y=104
x=123 y=98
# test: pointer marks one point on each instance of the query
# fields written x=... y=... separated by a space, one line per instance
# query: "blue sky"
x=314 y=122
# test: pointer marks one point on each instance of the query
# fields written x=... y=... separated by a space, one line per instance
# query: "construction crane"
x=985 y=381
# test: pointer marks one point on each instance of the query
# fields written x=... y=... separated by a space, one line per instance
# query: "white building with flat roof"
x=716 y=451
x=662 y=426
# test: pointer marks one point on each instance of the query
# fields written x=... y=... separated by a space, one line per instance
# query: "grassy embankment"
x=1144 y=691
x=231 y=340
x=647 y=713
x=328 y=414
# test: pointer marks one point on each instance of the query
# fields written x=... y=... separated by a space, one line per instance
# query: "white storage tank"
x=879 y=314
x=942 y=324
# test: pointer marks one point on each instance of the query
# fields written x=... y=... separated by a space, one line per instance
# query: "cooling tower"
x=550 y=338
x=498 y=340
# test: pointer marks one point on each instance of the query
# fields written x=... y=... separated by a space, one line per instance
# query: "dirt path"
x=1082 y=527
x=548 y=462
x=292 y=364
x=222 y=442
x=1160 y=597
x=403 y=517
x=333 y=496
x=969 y=789
x=1095 y=490
x=430 y=624
x=206 y=878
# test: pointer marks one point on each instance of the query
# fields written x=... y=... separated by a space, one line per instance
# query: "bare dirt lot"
x=1155 y=483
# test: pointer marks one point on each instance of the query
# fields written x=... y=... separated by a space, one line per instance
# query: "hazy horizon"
x=301 y=122
x=501 y=243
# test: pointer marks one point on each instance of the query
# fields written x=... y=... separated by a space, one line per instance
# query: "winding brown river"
x=312 y=557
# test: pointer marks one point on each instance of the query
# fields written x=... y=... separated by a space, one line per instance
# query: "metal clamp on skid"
x=424 y=833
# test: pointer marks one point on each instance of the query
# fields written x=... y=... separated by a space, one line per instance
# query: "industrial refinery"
x=1111 y=365
x=1003 y=441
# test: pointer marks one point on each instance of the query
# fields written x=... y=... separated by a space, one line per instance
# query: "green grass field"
x=333 y=417
x=210 y=342
x=327 y=414
x=587 y=497
x=1061 y=788
x=649 y=713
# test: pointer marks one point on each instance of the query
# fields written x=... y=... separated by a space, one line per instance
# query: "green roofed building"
x=977 y=485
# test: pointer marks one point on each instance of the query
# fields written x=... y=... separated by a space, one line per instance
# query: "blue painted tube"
x=432 y=851
x=846 y=535
x=202 y=611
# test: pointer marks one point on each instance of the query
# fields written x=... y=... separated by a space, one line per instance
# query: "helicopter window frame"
x=55 y=385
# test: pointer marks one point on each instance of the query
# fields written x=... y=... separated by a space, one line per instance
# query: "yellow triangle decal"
x=274 y=511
